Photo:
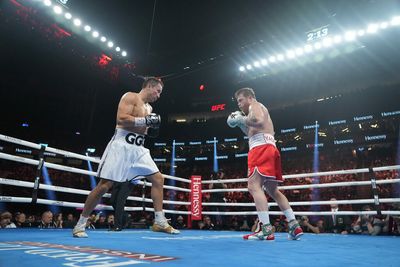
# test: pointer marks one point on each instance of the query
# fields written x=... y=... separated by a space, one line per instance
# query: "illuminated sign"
x=341 y=142
x=200 y=158
x=222 y=157
x=337 y=122
x=179 y=144
x=391 y=113
x=218 y=107
x=363 y=118
x=24 y=151
x=291 y=130
x=241 y=155
x=312 y=126
x=194 y=143
x=375 y=137
x=317 y=33
x=230 y=139
x=160 y=160
x=291 y=148
x=160 y=144
x=180 y=159
x=211 y=141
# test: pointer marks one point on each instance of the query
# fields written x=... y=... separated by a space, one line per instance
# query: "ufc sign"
x=195 y=189
x=218 y=107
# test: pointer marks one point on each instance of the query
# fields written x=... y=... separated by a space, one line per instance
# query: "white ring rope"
x=299 y=203
x=48 y=149
x=306 y=186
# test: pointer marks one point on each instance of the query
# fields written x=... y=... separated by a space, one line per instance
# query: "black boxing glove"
x=152 y=120
x=153 y=132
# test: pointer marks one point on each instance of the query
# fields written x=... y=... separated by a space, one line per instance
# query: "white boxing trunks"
x=125 y=158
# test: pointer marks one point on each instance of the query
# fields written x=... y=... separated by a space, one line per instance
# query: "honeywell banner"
x=195 y=188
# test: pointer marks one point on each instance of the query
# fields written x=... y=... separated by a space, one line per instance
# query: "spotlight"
x=384 y=25
x=337 y=39
x=395 y=21
x=110 y=44
x=123 y=53
x=248 y=67
x=117 y=49
x=290 y=54
x=103 y=39
x=280 y=57
x=256 y=64
x=327 y=42
x=242 y=68
x=47 y=2
x=361 y=33
x=68 y=15
x=272 y=59
x=87 y=28
x=57 y=9
x=317 y=45
x=308 y=48
x=350 y=36
x=77 y=22
x=264 y=62
x=95 y=34
x=372 y=28
x=299 y=51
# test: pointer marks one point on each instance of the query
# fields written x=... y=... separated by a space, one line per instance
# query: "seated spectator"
x=47 y=220
x=59 y=220
x=308 y=227
x=5 y=220
x=20 y=220
x=180 y=224
x=101 y=222
x=208 y=224
x=70 y=222
x=368 y=224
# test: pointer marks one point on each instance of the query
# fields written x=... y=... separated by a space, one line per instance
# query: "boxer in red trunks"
x=264 y=163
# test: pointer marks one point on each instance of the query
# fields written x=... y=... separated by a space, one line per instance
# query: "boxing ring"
x=57 y=247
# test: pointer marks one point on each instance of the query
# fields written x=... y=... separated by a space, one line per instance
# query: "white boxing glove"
x=237 y=119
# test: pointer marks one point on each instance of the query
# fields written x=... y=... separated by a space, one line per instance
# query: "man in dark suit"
x=338 y=224
x=120 y=193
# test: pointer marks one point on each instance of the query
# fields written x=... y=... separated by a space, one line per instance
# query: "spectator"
x=59 y=220
x=70 y=222
x=180 y=224
x=368 y=224
x=47 y=220
x=208 y=224
x=20 y=220
x=308 y=227
x=5 y=220
x=218 y=197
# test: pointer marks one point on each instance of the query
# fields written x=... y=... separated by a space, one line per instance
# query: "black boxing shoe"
x=115 y=229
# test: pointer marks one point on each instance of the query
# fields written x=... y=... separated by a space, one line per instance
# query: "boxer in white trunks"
x=125 y=157
x=264 y=163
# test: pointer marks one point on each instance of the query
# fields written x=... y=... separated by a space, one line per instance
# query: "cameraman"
x=308 y=227
x=368 y=224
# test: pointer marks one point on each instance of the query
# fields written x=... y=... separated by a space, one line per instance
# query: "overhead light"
x=95 y=34
x=248 y=67
x=47 y=2
x=350 y=36
x=280 y=57
x=272 y=59
x=383 y=25
x=395 y=21
x=337 y=39
x=68 y=15
x=361 y=33
x=317 y=45
x=87 y=28
x=290 y=54
x=327 y=42
x=372 y=28
x=117 y=49
x=110 y=44
x=299 y=51
x=256 y=64
x=242 y=68
x=123 y=54
x=103 y=39
x=308 y=48
x=77 y=22
x=57 y=9
x=264 y=62
x=181 y=120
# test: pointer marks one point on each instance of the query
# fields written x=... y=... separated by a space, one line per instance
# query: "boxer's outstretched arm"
x=256 y=116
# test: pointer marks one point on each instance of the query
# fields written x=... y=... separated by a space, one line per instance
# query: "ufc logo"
x=218 y=107
x=134 y=139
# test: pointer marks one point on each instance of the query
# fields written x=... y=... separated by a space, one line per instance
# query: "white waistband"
x=261 y=139
x=129 y=137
